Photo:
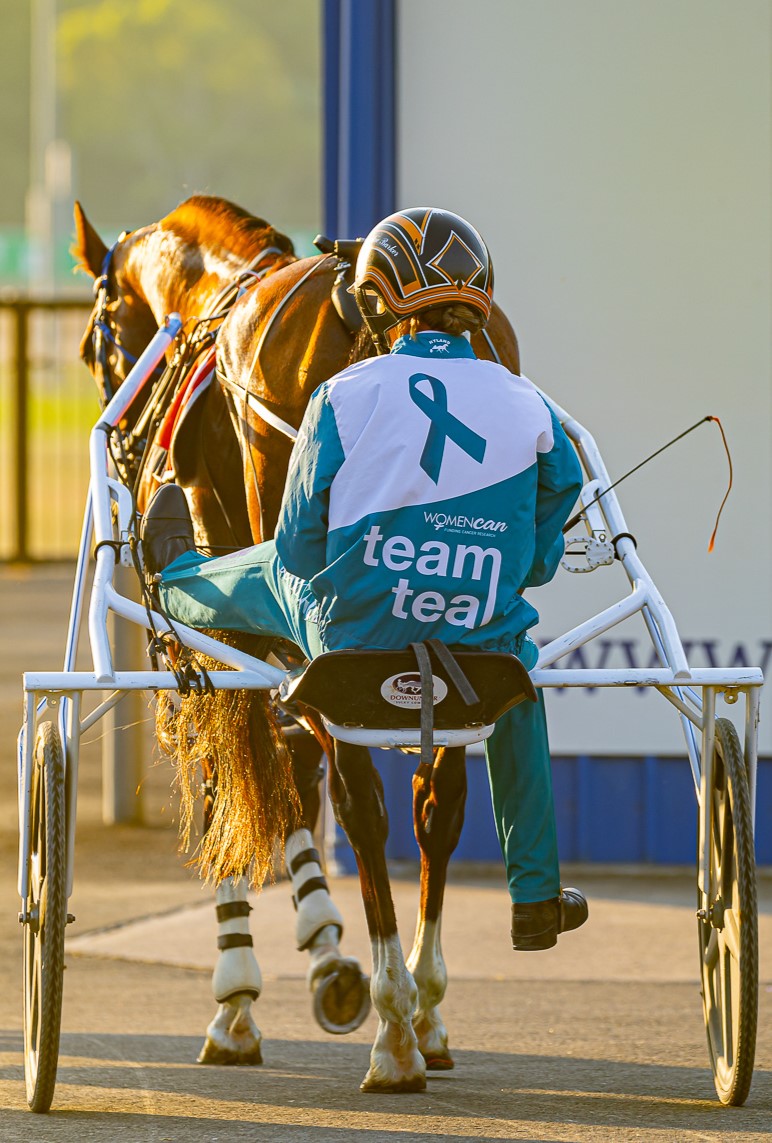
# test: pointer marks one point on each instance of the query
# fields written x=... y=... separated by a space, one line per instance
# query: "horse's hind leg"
x=340 y=989
x=439 y=796
x=356 y=790
x=232 y=1037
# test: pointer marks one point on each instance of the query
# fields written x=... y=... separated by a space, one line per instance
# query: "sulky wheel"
x=45 y=919
x=728 y=934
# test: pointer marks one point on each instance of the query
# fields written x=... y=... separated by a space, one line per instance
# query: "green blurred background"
x=129 y=106
x=132 y=105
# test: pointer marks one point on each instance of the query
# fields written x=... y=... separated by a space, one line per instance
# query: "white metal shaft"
x=141 y=370
x=599 y=623
x=36 y=682
x=230 y=656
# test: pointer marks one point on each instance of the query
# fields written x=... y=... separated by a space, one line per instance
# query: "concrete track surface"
x=601 y=1039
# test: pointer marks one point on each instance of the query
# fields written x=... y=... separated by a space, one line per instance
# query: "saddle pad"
x=382 y=689
x=191 y=389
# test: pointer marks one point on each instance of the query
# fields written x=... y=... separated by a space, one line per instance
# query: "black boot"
x=167 y=529
x=536 y=924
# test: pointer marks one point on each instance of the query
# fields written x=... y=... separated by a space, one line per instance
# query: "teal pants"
x=249 y=590
x=252 y=591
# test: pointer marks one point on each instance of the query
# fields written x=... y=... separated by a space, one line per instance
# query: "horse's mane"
x=207 y=219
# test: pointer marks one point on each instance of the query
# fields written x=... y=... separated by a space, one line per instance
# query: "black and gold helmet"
x=415 y=260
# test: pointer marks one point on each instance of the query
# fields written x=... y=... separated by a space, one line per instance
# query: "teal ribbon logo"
x=443 y=425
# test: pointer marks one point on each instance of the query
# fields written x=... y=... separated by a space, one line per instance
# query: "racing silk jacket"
x=426 y=489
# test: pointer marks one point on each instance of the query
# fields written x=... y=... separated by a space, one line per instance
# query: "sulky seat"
x=380 y=698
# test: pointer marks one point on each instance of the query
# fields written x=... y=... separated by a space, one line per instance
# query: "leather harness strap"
x=456 y=676
x=427 y=702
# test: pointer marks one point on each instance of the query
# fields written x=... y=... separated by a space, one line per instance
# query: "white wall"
x=616 y=155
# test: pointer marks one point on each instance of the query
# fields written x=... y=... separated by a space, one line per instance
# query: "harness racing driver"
x=426 y=490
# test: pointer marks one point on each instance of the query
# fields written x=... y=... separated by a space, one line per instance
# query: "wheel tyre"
x=46 y=911
x=728 y=939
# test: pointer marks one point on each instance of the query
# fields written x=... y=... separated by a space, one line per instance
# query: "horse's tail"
x=256 y=804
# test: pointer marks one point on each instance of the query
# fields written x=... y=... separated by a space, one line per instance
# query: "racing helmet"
x=415 y=260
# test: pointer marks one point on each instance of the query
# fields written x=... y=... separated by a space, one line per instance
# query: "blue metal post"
x=359 y=115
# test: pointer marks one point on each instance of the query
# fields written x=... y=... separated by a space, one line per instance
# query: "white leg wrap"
x=237 y=970
x=310 y=894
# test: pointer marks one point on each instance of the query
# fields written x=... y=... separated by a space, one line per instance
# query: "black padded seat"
x=382 y=689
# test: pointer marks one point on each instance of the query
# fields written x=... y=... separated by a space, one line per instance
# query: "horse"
x=156 y=270
x=275 y=345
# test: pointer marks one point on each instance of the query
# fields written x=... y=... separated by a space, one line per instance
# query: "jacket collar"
x=437 y=345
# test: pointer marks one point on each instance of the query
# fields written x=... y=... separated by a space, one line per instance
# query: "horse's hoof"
x=399 y=1085
x=212 y=1053
x=439 y=1061
x=342 y=1000
x=233 y=1038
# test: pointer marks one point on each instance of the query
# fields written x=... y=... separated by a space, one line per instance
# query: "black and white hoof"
x=233 y=1039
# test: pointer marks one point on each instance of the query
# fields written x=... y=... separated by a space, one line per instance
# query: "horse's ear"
x=88 y=249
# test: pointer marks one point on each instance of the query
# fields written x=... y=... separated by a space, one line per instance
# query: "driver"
x=426 y=491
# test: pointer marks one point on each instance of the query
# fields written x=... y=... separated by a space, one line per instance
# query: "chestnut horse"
x=163 y=268
x=278 y=342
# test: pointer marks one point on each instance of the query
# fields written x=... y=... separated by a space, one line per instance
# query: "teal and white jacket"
x=426 y=489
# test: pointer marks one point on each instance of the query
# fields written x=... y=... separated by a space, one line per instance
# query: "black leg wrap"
x=303 y=859
x=233 y=909
x=234 y=941
x=309 y=886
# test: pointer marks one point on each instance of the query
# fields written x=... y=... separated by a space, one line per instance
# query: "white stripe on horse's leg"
x=427 y=965
x=233 y=1037
x=395 y=1061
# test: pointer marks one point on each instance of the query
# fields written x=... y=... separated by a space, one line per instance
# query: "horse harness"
x=169 y=377
x=344 y=251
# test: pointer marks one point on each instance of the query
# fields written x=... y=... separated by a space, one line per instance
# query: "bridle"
x=103 y=331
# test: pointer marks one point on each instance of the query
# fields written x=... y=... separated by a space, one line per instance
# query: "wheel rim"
x=728 y=931
x=45 y=917
x=34 y=934
x=721 y=938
